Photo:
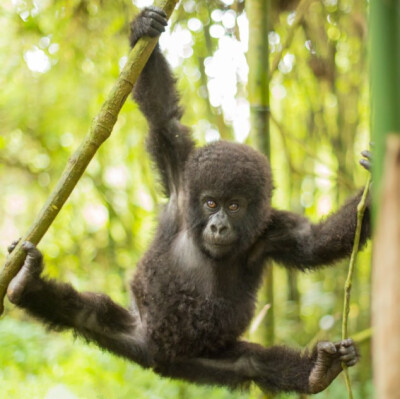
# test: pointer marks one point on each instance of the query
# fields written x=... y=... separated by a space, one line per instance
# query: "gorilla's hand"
x=328 y=363
x=29 y=272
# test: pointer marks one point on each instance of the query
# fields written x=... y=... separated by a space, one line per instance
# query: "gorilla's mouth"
x=222 y=244
x=219 y=243
x=218 y=249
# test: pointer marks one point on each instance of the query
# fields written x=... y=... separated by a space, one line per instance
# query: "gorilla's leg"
x=273 y=369
x=94 y=316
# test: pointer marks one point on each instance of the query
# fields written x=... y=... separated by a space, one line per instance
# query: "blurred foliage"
x=59 y=59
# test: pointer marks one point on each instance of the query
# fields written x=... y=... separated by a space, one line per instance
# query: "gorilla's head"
x=229 y=192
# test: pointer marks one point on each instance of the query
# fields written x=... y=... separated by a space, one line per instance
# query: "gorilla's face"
x=223 y=218
x=229 y=189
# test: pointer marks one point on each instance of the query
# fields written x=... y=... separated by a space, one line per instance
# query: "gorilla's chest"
x=192 y=305
x=189 y=323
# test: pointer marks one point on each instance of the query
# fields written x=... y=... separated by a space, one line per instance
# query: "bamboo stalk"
x=258 y=82
x=384 y=19
x=385 y=83
x=99 y=131
x=258 y=87
x=349 y=281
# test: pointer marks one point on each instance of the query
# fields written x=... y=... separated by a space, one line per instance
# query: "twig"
x=100 y=130
x=362 y=336
x=347 y=288
x=284 y=133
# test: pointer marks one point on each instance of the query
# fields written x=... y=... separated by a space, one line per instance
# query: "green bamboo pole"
x=349 y=281
x=99 y=131
x=258 y=60
x=258 y=87
x=385 y=80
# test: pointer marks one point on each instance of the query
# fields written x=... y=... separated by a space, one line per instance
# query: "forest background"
x=59 y=60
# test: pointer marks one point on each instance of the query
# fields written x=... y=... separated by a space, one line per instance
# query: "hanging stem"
x=347 y=288
x=100 y=130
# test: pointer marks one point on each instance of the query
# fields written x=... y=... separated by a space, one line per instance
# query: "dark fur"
x=192 y=300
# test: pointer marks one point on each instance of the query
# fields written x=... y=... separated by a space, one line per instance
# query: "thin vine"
x=349 y=281
x=99 y=131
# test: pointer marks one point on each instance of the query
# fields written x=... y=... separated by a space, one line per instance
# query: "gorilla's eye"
x=211 y=204
x=233 y=207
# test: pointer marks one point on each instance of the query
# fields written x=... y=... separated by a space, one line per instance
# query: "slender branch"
x=362 y=336
x=286 y=135
x=99 y=131
x=347 y=289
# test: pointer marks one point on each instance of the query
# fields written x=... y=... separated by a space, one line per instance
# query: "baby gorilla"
x=194 y=291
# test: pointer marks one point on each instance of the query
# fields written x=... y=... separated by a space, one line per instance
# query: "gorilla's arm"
x=169 y=142
x=293 y=240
